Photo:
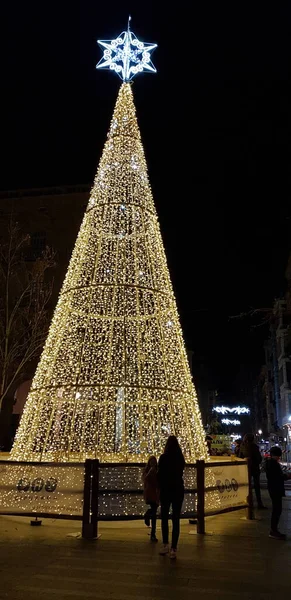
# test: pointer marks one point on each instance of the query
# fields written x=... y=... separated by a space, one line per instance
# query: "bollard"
x=200 y=465
x=86 y=522
x=94 y=497
x=250 y=508
x=90 y=502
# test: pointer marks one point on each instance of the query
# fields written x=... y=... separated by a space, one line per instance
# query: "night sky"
x=215 y=127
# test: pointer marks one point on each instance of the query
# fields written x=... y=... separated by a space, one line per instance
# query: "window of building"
x=36 y=246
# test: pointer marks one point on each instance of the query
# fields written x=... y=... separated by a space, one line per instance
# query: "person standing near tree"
x=276 y=489
x=237 y=447
x=251 y=451
x=170 y=476
x=151 y=494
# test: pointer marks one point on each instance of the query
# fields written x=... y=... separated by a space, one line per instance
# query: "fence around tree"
x=93 y=491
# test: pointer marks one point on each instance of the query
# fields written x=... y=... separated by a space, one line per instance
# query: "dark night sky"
x=215 y=126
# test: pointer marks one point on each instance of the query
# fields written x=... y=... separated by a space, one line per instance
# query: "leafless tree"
x=25 y=292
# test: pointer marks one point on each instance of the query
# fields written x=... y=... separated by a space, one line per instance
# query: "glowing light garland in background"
x=113 y=380
x=237 y=410
x=230 y=421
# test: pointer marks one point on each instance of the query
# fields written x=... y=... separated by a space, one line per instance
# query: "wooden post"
x=94 y=497
x=86 y=524
x=200 y=466
x=250 y=509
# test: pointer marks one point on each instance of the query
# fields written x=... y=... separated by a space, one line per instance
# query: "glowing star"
x=126 y=55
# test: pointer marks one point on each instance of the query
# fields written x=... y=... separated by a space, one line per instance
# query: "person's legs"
x=165 y=507
x=153 y=515
x=147 y=517
x=276 y=512
x=256 y=480
x=176 y=508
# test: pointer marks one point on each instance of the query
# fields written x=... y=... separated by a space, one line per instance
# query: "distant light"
x=289 y=418
x=260 y=432
x=230 y=421
x=237 y=410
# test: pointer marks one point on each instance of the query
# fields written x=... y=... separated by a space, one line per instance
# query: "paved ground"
x=235 y=560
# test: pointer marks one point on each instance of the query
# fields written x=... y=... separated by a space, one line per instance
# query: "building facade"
x=283 y=367
x=272 y=392
x=51 y=217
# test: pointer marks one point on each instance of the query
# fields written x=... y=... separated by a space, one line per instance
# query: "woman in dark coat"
x=170 y=475
x=151 y=494
x=251 y=451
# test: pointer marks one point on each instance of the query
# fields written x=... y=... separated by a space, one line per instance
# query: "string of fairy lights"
x=54 y=489
x=113 y=380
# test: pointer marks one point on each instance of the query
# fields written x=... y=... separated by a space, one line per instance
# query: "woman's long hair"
x=248 y=439
x=152 y=463
x=173 y=448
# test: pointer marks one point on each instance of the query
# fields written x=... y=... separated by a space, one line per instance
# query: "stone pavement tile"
x=238 y=561
x=123 y=591
x=185 y=569
x=161 y=585
x=53 y=594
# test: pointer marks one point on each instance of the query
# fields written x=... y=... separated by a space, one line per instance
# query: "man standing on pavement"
x=249 y=449
x=276 y=487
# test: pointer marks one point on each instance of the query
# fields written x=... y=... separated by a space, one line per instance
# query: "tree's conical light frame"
x=113 y=380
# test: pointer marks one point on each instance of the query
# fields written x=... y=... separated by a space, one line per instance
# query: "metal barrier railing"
x=113 y=491
x=131 y=504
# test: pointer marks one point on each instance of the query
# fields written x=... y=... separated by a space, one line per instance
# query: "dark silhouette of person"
x=170 y=476
x=249 y=449
x=151 y=494
x=276 y=489
x=237 y=447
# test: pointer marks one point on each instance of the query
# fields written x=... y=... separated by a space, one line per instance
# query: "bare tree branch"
x=25 y=292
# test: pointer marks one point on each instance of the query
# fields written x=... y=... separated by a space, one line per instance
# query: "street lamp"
x=260 y=432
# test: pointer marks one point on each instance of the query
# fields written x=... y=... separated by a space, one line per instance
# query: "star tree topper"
x=126 y=55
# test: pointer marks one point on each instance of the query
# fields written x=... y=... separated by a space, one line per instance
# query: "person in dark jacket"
x=151 y=494
x=251 y=451
x=276 y=488
x=170 y=476
x=237 y=447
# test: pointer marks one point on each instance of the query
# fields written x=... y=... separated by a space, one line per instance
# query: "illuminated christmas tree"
x=113 y=380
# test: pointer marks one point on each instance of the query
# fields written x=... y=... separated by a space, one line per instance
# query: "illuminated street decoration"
x=230 y=421
x=113 y=380
x=237 y=410
x=126 y=55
